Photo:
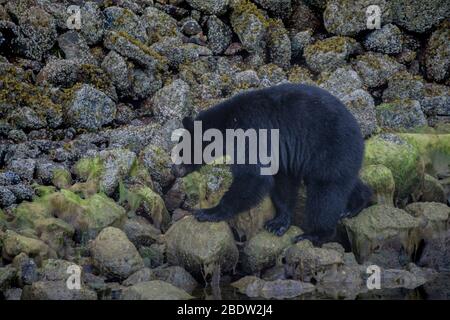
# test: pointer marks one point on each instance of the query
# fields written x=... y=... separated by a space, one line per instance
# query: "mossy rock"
x=62 y=178
x=381 y=180
x=3 y=221
x=433 y=190
x=402 y=158
x=381 y=227
x=434 y=216
x=434 y=149
x=14 y=244
x=154 y=206
x=201 y=247
x=263 y=250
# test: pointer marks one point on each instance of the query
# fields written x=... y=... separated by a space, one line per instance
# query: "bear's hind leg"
x=245 y=192
x=325 y=203
x=284 y=196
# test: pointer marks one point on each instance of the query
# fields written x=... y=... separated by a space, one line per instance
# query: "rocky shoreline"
x=85 y=121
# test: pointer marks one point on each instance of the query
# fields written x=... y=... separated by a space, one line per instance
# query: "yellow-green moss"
x=381 y=180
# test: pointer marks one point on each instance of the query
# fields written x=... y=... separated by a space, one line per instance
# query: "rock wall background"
x=85 y=121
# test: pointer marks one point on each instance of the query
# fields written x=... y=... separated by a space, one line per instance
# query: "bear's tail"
x=359 y=199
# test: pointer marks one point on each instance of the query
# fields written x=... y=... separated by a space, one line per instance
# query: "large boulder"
x=401 y=114
x=388 y=40
x=200 y=247
x=56 y=290
x=114 y=255
x=14 y=244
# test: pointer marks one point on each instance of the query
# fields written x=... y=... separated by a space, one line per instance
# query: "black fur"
x=320 y=143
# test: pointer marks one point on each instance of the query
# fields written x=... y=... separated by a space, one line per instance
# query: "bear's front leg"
x=245 y=192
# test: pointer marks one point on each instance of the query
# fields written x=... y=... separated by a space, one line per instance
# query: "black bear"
x=320 y=143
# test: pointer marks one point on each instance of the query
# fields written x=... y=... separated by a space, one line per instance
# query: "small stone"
x=388 y=39
x=219 y=35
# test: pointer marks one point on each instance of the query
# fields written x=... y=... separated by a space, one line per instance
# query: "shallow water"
x=438 y=289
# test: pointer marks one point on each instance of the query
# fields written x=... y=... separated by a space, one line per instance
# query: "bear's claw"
x=277 y=226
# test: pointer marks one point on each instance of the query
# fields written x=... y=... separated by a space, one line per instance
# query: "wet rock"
x=56 y=270
x=305 y=262
x=437 y=56
x=201 y=247
x=254 y=287
x=219 y=35
x=114 y=255
x=348 y=18
x=176 y=276
x=418 y=16
x=383 y=235
x=56 y=290
x=27 y=270
x=433 y=190
x=388 y=40
x=264 y=249
x=330 y=53
x=434 y=218
x=172 y=102
x=125 y=21
x=403 y=85
x=140 y=232
x=75 y=47
x=90 y=108
x=401 y=114
x=139 y=276
x=409 y=279
x=154 y=255
x=435 y=252
x=216 y=7
x=375 y=68
x=402 y=158
x=154 y=290
x=14 y=244
x=381 y=180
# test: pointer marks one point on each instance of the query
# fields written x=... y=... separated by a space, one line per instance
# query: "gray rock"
x=27 y=118
x=348 y=18
x=143 y=84
x=437 y=55
x=17 y=136
x=219 y=35
x=172 y=102
x=388 y=39
x=270 y=75
x=159 y=24
x=401 y=114
x=75 y=47
x=8 y=178
x=375 y=68
x=56 y=290
x=191 y=27
x=330 y=53
x=176 y=276
x=209 y=6
x=125 y=21
x=114 y=255
x=299 y=41
x=90 y=108
x=403 y=85
x=92 y=23
x=303 y=18
x=22 y=191
x=24 y=168
x=279 y=45
x=7 y=197
x=141 y=232
x=36 y=31
x=117 y=69
x=59 y=72
x=281 y=9
x=132 y=49
x=419 y=16
x=154 y=290
x=436 y=100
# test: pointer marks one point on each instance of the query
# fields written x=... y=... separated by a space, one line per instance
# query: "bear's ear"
x=188 y=123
